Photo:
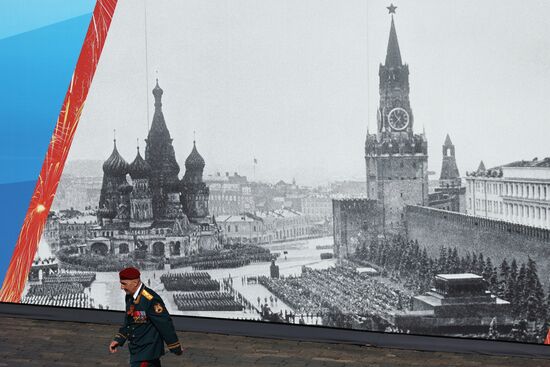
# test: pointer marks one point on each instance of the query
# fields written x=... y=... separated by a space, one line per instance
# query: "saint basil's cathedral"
x=145 y=206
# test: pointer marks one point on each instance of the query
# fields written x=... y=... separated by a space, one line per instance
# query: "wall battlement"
x=494 y=238
x=472 y=220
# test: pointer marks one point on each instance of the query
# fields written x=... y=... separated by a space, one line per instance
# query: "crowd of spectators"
x=291 y=295
x=341 y=290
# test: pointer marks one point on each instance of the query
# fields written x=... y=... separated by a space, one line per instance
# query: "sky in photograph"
x=294 y=83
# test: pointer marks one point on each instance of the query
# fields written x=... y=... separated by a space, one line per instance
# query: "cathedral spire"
x=161 y=158
x=158 y=126
x=393 y=54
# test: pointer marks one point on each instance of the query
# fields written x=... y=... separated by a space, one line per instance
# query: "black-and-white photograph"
x=355 y=164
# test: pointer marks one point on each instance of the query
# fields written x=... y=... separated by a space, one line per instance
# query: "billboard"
x=357 y=165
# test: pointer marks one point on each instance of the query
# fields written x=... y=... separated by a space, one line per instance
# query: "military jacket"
x=147 y=326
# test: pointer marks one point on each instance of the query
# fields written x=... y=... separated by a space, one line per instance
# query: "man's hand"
x=113 y=347
x=178 y=351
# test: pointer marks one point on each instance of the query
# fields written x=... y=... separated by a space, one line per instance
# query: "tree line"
x=407 y=262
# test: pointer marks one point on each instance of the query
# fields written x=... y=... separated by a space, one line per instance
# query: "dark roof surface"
x=535 y=162
x=448 y=141
x=115 y=165
x=194 y=160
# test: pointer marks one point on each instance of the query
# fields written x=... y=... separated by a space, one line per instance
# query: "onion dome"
x=115 y=165
x=194 y=161
x=139 y=168
x=157 y=92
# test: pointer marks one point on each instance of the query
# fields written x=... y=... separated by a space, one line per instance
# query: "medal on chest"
x=140 y=317
x=131 y=310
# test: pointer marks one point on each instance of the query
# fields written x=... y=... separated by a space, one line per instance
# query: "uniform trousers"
x=151 y=363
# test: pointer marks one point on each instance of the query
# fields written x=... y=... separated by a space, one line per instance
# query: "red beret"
x=129 y=274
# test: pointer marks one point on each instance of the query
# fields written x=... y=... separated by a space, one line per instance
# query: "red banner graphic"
x=44 y=192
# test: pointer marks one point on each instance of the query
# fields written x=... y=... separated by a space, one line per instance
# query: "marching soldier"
x=147 y=324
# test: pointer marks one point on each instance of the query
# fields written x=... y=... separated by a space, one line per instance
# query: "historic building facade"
x=266 y=227
x=396 y=158
x=229 y=195
x=317 y=206
x=517 y=192
x=145 y=206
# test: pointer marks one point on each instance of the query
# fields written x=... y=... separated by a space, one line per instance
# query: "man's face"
x=129 y=286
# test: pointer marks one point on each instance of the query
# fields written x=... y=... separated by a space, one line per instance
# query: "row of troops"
x=86 y=278
x=189 y=282
x=192 y=285
x=79 y=300
x=208 y=305
x=53 y=289
x=201 y=295
x=221 y=264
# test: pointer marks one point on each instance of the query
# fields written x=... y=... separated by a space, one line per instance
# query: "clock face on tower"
x=398 y=119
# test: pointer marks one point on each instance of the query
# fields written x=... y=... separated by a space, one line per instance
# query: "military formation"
x=84 y=278
x=206 y=301
x=62 y=289
x=189 y=282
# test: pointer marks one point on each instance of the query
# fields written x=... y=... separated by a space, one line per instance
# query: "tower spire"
x=393 y=54
x=158 y=126
x=449 y=170
x=160 y=155
x=448 y=141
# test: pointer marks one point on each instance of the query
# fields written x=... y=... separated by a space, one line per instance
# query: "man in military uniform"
x=147 y=323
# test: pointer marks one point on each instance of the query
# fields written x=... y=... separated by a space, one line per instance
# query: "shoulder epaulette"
x=146 y=294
